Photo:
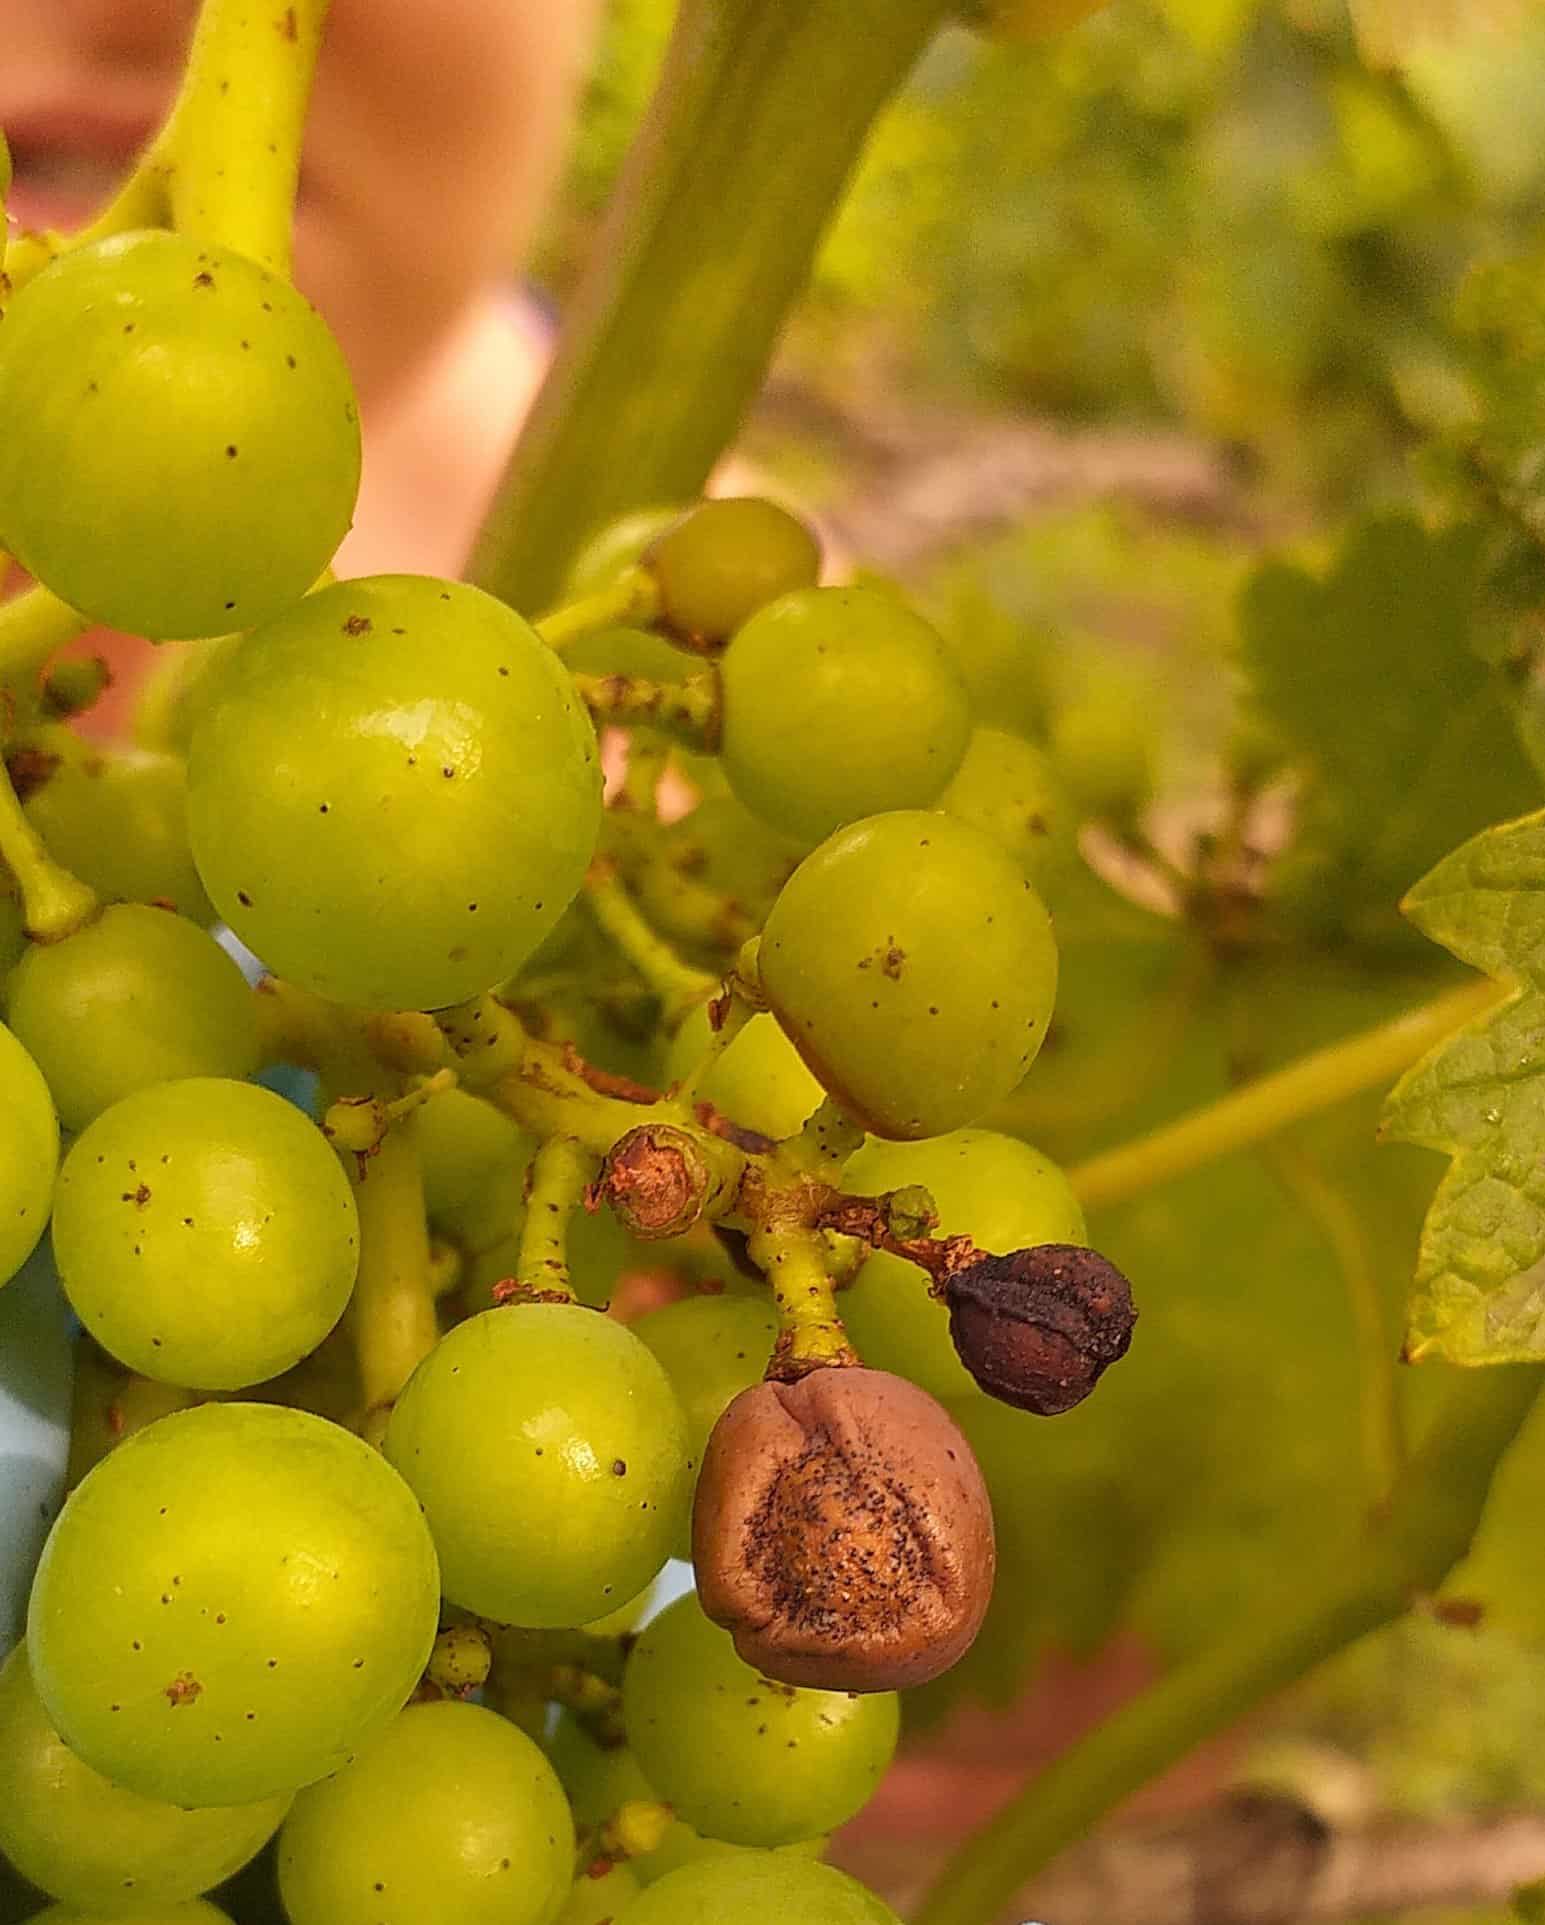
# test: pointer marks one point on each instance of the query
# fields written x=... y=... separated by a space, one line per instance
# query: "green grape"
x=396 y=796
x=758 y=1888
x=549 y=1452
x=711 y=1348
x=617 y=546
x=205 y=1233
x=739 y=1757
x=450 y=1813
x=725 y=559
x=1102 y=747
x=759 y=1082
x=119 y=821
x=998 y=1191
x=13 y=932
x=723 y=845
x=600 y=1901
x=1009 y=788
x=29 y=1154
x=598 y=1779
x=196 y=1911
x=464 y=1143
x=912 y=964
x=839 y=703
x=182 y=449
x=231 y=1604
x=92 y=1843
x=136 y=997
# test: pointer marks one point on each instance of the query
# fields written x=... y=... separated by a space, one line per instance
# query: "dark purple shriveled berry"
x=842 y=1532
x=1037 y=1328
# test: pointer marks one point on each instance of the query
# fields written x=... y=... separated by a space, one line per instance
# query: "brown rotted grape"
x=842 y=1532
x=1038 y=1327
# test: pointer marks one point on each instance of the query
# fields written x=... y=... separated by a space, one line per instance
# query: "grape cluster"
x=380 y=1444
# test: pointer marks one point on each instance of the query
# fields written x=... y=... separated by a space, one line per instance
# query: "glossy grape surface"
x=450 y=1813
x=119 y=821
x=549 y=1452
x=395 y=798
x=206 y=1233
x=137 y=997
x=94 y=1844
x=182 y=446
x=912 y=964
x=758 y=1888
x=723 y=560
x=29 y=1154
x=996 y=1190
x=759 y=1081
x=839 y=703
x=1008 y=788
x=464 y=1142
x=711 y=1348
x=739 y=1757
x=230 y=1604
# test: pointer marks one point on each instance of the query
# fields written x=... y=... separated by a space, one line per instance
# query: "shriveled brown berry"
x=1038 y=1327
x=842 y=1532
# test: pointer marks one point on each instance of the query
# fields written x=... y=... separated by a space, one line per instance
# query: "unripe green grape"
x=29 y=1154
x=758 y=1082
x=599 y=1778
x=549 y=1453
x=13 y=933
x=136 y=997
x=711 y=1348
x=723 y=560
x=723 y=845
x=1000 y=1192
x=464 y=1142
x=94 y=1844
x=767 y=1887
x=615 y=547
x=741 y=1758
x=205 y=1233
x=1102 y=747
x=231 y=1604
x=912 y=964
x=600 y=1901
x=197 y=1911
x=839 y=703
x=119 y=821
x=397 y=794
x=449 y=1813
x=1009 y=788
x=182 y=447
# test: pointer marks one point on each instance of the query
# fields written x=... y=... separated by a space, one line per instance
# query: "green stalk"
x=761 y=110
x=1354 y=1589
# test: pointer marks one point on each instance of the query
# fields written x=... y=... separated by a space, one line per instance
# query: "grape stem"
x=54 y=903
x=391 y=1316
x=1259 y=1109
x=688 y=908
x=561 y=1172
x=33 y=625
x=679 y=987
x=727 y=1017
x=810 y=1333
x=1425 y=1530
x=632 y=601
x=685 y=712
x=229 y=152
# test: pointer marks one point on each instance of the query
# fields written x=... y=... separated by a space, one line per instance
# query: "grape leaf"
x=1368 y=674
x=1479 y=1291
